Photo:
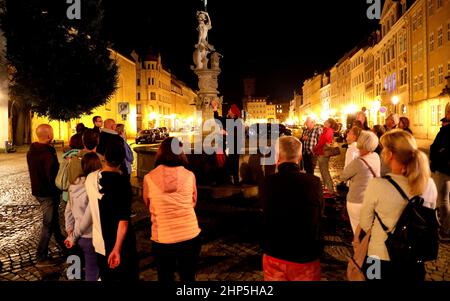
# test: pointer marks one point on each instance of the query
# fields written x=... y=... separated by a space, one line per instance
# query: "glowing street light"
x=395 y=101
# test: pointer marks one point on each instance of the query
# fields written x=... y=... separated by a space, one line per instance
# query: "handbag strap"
x=370 y=168
x=402 y=193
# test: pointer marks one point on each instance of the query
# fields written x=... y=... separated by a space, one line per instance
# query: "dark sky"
x=280 y=42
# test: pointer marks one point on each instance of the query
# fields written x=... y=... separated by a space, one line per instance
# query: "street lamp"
x=395 y=101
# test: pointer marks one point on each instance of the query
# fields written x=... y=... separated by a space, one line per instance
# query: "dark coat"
x=292 y=206
x=43 y=167
x=440 y=151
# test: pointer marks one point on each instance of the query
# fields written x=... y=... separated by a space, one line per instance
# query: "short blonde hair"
x=289 y=149
x=367 y=141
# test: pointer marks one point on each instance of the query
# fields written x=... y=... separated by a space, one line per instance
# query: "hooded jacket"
x=43 y=167
x=173 y=195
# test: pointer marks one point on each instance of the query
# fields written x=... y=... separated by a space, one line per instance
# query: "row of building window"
x=417 y=20
x=161 y=110
x=418 y=80
x=439 y=4
x=417 y=51
x=358 y=80
x=359 y=60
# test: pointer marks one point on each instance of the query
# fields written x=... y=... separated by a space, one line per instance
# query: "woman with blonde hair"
x=411 y=171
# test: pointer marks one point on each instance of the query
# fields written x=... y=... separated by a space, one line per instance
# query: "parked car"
x=259 y=129
x=146 y=136
x=164 y=131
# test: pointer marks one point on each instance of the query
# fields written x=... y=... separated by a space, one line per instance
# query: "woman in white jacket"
x=411 y=171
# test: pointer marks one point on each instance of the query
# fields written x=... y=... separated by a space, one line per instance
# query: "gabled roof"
x=386 y=7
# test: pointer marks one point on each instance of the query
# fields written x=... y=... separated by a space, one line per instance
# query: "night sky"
x=280 y=42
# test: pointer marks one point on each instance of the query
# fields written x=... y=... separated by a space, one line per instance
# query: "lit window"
x=432 y=79
x=432 y=42
x=441 y=74
x=420 y=50
x=448 y=32
x=440 y=37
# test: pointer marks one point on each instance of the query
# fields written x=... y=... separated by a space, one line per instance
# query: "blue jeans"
x=90 y=259
x=50 y=225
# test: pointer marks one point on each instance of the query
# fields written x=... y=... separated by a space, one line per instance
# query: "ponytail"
x=417 y=172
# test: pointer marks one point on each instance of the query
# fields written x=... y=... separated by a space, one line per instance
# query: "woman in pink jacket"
x=170 y=193
x=326 y=138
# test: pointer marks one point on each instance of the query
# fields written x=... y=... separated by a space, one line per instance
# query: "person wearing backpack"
x=384 y=204
x=79 y=219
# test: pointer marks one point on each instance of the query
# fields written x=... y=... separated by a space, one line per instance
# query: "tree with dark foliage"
x=61 y=67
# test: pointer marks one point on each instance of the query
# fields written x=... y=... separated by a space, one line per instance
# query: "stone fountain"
x=207 y=68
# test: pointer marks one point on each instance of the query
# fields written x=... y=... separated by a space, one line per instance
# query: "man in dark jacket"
x=43 y=167
x=109 y=136
x=440 y=166
x=292 y=206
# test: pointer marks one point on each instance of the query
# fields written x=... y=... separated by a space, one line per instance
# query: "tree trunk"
x=21 y=126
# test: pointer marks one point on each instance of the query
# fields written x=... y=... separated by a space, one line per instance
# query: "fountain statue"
x=206 y=66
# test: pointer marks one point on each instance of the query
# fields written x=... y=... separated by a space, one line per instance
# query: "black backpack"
x=415 y=237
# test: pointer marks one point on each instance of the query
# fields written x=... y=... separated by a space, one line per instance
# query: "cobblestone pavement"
x=230 y=235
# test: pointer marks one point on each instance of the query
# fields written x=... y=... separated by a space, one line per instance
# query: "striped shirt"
x=313 y=137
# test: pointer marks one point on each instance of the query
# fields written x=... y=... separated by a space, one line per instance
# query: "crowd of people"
x=98 y=211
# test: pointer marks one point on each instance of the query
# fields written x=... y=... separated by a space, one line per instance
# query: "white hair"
x=367 y=141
